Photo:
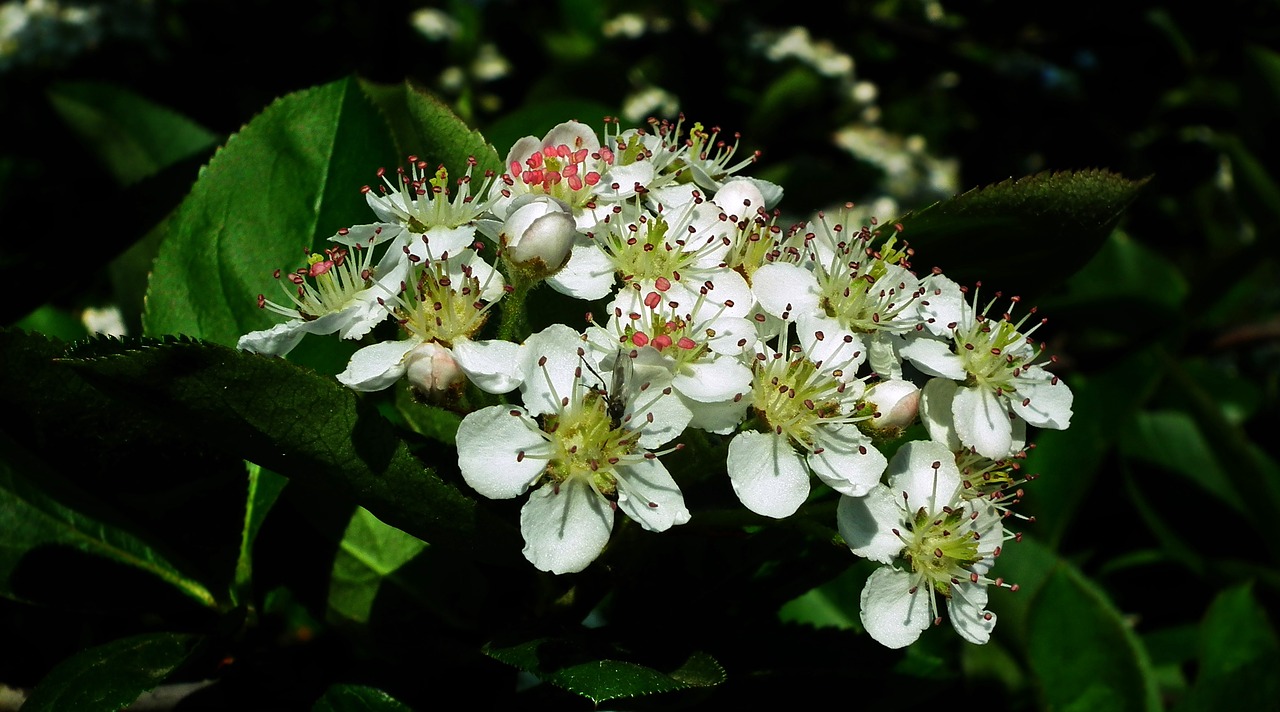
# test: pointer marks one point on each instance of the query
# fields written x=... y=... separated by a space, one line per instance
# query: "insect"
x=615 y=395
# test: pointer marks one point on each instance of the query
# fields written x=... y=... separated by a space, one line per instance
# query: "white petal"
x=942 y=304
x=658 y=417
x=565 y=528
x=443 y=240
x=573 y=134
x=626 y=178
x=785 y=290
x=519 y=153
x=729 y=288
x=648 y=494
x=543 y=386
x=490 y=442
x=1049 y=399
x=772 y=192
x=893 y=615
x=587 y=275
x=722 y=418
x=734 y=336
x=866 y=523
x=739 y=197
x=713 y=381
x=982 y=422
x=825 y=341
x=848 y=462
x=388 y=208
x=934 y=357
x=768 y=475
x=926 y=472
x=936 y=401
x=276 y=341
x=369 y=235
x=377 y=366
x=491 y=282
x=967 y=610
x=882 y=354
x=494 y=366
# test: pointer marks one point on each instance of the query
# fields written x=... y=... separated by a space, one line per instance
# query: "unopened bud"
x=896 y=403
x=538 y=235
x=431 y=369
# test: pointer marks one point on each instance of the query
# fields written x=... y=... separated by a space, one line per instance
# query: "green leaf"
x=31 y=522
x=1239 y=656
x=110 y=677
x=834 y=604
x=1172 y=440
x=1125 y=270
x=1082 y=651
x=265 y=487
x=571 y=666
x=425 y=419
x=370 y=552
x=1023 y=235
x=426 y=127
x=286 y=182
x=300 y=424
x=133 y=136
x=358 y=698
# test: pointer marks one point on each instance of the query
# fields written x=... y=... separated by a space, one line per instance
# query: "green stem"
x=514 y=326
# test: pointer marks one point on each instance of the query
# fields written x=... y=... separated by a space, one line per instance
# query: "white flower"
x=995 y=380
x=706 y=159
x=847 y=288
x=447 y=304
x=804 y=401
x=695 y=352
x=584 y=457
x=684 y=244
x=418 y=219
x=334 y=293
x=570 y=165
x=933 y=542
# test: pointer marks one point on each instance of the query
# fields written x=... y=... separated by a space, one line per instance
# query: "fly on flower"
x=615 y=395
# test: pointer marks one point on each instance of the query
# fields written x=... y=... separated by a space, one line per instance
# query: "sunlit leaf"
x=425 y=127
x=254 y=407
x=1022 y=235
x=568 y=665
x=110 y=677
x=1082 y=651
x=370 y=551
x=286 y=182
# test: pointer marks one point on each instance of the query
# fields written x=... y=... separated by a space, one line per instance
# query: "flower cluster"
x=813 y=351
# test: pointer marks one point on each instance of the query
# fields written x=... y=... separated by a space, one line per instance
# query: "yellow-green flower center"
x=942 y=547
x=588 y=443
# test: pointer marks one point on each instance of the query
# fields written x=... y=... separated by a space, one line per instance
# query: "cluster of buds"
x=815 y=351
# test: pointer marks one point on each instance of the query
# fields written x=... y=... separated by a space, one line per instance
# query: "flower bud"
x=896 y=403
x=538 y=235
x=430 y=368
